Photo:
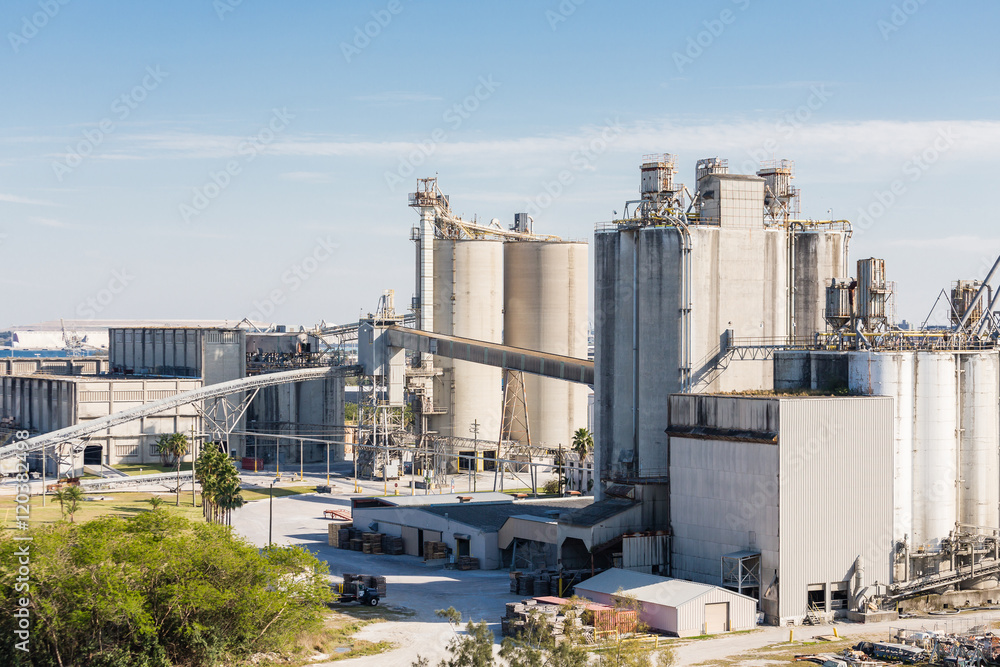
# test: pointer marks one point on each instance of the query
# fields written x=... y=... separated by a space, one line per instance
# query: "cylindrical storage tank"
x=871 y=304
x=839 y=309
x=820 y=256
x=468 y=302
x=891 y=374
x=980 y=469
x=545 y=309
x=935 y=448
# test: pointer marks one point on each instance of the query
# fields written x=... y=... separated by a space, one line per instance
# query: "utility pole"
x=194 y=477
x=559 y=471
x=474 y=428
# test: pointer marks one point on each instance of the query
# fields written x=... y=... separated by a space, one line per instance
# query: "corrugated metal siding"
x=836 y=493
x=645 y=551
x=691 y=615
x=720 y=493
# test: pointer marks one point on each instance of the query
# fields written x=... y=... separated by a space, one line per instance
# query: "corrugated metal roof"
x=647 y=587
x=492 y=516
x=596 y=512
x=446 y=499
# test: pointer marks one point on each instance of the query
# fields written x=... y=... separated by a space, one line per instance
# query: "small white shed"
x=681 y=608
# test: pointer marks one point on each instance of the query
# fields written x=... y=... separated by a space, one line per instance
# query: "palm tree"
x=176 y=445
x=220 y=485
x=209 y=468
x=69 y=500
x=228 y=497
x=163 y=448
x=583 y=442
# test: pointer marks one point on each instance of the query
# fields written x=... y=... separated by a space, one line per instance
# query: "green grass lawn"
x=124 y=504
x=127 y=504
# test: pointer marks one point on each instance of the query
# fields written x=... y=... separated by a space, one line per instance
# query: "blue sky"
x=231 y=159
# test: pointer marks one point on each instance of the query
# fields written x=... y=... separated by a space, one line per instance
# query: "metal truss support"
x=222 y=416
x=515 y=434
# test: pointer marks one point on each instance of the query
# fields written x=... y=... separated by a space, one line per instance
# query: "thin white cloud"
x=777 y=85
x=837 y=143
x=307 y=176
x=51 y=222
x=396 y=97
x=15 y=199
x=947 y=243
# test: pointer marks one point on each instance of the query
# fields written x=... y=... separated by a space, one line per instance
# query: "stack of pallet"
x=339 y=532
x=392 y=545
x=371 y=543
x=514 y=574
x=520 y=614
x=467 y=563
x=435 y=550
x=356 y=544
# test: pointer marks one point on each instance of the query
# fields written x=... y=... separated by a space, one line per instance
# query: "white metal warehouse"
x=678 y=607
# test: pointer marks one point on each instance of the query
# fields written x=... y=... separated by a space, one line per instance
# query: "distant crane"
x=73 y=342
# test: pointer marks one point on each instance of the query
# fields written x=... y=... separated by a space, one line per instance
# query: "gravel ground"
x=411 y=585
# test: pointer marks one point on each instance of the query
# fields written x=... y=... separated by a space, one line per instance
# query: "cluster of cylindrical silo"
x=947 y=429
x=528 y=294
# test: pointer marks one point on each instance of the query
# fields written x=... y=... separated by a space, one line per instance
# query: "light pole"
x=474 y=428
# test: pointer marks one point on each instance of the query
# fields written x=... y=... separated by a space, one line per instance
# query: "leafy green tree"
x=156 y=501
x=452 y=615
x=475 y=649
x=626 y=653
x=155 y=590
x=535 y=646
x=583 y=442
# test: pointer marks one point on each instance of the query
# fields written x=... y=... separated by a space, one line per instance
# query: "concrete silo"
x=468 y=302
x=545 y=309
x=817 y=256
